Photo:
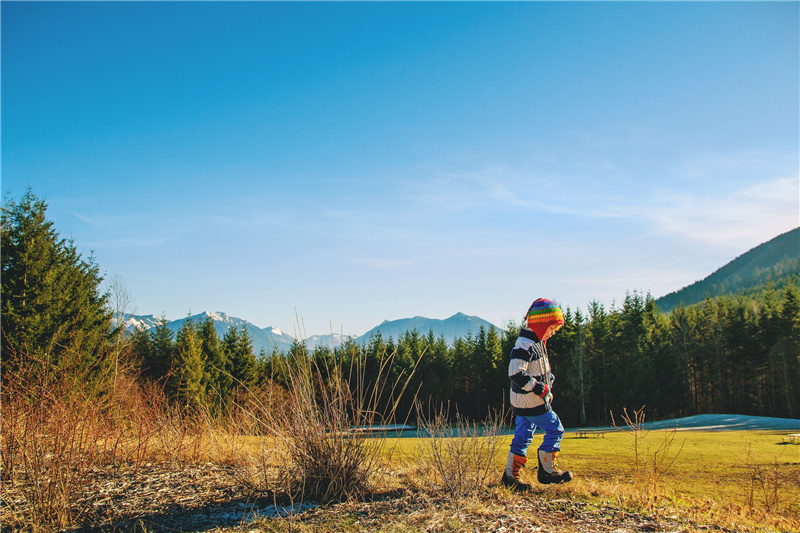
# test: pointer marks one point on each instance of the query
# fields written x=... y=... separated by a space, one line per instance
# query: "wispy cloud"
x=735 y=167
x=751 y=215
x=83 y=218
x=503 y=188
x=135 y=242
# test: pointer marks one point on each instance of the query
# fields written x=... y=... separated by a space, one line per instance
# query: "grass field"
x=733 y=479
x=717 y=465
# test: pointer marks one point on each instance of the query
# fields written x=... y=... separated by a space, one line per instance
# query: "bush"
x=318 y=449
x=457 y=458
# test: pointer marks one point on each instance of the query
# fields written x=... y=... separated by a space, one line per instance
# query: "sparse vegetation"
x=650 y=463
x=56 y=449
x=457 y=458
x=319 y=444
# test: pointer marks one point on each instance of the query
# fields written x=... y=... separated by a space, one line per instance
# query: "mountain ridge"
x=269 y=338
x=774 y=260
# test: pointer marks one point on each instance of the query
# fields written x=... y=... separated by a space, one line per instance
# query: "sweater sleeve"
x=521 y=381
x=516 y=371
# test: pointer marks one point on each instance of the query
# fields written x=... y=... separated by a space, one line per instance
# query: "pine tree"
x=434 y=371
x=52 y=308
x=462 y=378
x=218 y=383
x=598 y=352
x=189 y=373
x=161 y=362
x=141 y=348
x=789 y=364
x=241 y=362
x=684 y=341
x=410 y=349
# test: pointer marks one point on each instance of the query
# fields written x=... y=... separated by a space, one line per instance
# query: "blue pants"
x=526 y=425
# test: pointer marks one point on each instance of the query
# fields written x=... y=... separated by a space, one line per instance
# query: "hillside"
x=774 y=261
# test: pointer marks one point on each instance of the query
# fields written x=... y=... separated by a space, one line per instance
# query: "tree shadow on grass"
x=196 y=518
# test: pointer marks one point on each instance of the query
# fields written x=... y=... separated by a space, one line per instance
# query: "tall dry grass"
x=51 y=437
x=320 y=446
x=764 y=481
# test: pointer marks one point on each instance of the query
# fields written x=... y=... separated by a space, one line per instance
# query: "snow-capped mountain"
x=269 y=338
x=266 y=339
x=329 y=341
x=137 y=321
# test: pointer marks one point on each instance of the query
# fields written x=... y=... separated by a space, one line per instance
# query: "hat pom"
x=541 y=315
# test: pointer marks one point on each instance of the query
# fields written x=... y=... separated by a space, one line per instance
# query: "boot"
x=548 y=469
x=511 y=478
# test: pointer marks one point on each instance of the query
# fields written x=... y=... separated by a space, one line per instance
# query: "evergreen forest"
x=731 y=353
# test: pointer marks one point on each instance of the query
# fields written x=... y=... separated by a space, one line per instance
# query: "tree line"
x=195 y=366
x=729 y=354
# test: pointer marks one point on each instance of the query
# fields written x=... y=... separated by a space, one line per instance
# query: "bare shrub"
x=763 y=480
x=52 y=435
x=457 y=458
x=649 y=464
x=315 y=445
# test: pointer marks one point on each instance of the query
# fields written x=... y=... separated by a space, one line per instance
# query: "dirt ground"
x=165 y=498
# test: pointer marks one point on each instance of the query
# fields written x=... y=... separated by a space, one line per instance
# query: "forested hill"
x=775 y=261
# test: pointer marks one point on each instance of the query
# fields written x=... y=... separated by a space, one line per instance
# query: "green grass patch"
x=727 y=466
x=732 y=478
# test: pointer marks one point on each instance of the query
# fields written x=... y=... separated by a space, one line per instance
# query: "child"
x=531 y=379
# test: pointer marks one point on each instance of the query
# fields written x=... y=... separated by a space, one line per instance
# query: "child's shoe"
x=548 y=469
x=511 y=477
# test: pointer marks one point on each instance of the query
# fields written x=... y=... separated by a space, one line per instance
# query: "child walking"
x=531 y=382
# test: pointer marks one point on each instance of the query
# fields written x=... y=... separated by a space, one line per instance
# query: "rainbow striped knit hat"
x=541 y=315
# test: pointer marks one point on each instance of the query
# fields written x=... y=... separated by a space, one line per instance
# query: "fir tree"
x=189 y=375
x=218 y=383
x=141 y=348
x=52 y=308
x=160 y=363
x=241 y=362
x=789 y=364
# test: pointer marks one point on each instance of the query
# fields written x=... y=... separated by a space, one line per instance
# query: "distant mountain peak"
x=458 y=325
x=269 y=338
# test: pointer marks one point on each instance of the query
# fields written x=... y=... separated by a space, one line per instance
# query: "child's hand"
x=541 y=389
x=550 y=378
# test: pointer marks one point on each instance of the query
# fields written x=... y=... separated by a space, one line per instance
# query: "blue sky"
x=346 y=163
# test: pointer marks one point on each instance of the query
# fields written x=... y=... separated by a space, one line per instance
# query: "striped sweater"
x=529 y=370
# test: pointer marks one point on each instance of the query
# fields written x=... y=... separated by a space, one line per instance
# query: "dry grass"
x=315 y=451
x=712 y=465
x=61 y=426
x=55 y=436
x=713 y=480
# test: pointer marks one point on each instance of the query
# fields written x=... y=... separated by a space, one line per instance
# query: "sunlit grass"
x=728 y=477
x=715 y=465
x=709 y=465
